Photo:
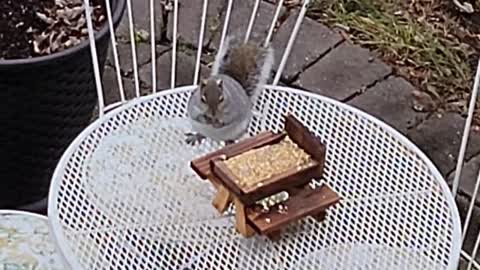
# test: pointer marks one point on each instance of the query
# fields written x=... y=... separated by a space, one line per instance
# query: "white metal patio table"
x=124 y=196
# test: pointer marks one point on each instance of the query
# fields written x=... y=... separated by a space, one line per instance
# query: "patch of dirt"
x=462 y=30
x=30 y=28
x=429 y=42
x=16 y=17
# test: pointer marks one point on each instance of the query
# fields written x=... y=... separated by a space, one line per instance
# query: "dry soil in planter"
x=47 y=88
x=30 y=28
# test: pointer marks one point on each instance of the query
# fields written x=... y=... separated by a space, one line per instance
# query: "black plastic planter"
x=45 y=102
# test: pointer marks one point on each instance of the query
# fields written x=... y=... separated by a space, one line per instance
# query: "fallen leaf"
x=141 y=36
x=44 y=18
x=423 y=102
x=342 y=26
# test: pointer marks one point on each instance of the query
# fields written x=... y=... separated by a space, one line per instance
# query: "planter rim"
x=116 y=16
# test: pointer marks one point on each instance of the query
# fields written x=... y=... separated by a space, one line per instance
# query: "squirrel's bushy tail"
x=264 y=73
x=222 y=52
x=250 y=63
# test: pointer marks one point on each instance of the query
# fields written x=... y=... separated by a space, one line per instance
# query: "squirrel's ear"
x=219 y=82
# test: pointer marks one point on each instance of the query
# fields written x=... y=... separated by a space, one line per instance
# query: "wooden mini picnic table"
x=303 y=199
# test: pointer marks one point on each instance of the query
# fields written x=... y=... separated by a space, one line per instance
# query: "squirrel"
x=221 y=107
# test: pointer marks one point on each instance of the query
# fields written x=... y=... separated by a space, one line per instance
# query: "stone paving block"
x=185 y=67
x=144 y=55
x=440 y=137
x=189 y=20
x=313 y=40
x=469 y=177
x=141 y=19
x=343 y=72
x=463 y=204
x=111 y=89
x=391 y=101
x=240 y=17
x=463 y=264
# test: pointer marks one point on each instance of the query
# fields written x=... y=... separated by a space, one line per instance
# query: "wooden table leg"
x=241 y=219
x=320 y=216
x=214 y=182
x=222 y=199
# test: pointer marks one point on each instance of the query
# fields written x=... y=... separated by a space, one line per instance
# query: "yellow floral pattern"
x=25 y=243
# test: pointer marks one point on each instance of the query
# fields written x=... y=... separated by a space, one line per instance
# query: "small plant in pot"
x=47 y=88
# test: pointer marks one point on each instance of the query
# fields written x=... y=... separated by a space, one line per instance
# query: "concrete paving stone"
x=463 y=264
x=141 y=19
x=469 y=177
x=463 y=204
x=189 y=20
x=240 y=18
x=111 y=89
x=391 y=101
x=313 y=40
x=185 y=68
x=440 y=137
x=344 y=71
x=144 y=55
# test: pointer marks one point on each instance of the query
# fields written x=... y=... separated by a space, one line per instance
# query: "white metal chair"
x=472 y=262
x=123 y=196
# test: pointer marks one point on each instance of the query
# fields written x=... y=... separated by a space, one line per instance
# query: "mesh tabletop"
x=124 y=195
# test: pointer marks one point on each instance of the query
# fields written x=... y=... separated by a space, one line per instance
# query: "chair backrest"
x=154 y=12
x=470 y=231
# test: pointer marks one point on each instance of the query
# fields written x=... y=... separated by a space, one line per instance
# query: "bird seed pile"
x=257 y=165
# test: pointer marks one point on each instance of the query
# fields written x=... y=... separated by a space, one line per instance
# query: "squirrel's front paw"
x=194 y=138
x=229 y=142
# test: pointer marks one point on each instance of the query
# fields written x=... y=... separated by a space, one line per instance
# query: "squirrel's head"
x=212 y=98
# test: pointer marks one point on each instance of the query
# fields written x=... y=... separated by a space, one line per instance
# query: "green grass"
x=419 y=42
